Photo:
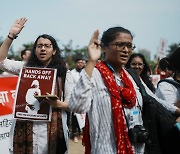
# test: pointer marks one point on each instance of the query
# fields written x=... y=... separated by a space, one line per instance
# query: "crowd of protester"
x=105 y=91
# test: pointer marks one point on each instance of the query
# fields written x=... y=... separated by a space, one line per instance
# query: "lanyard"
x=115 y=76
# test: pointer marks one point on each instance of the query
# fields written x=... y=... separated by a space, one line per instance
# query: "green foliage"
x=28 y=46
x=71 y=53
x=172 y=48
x=152 y=65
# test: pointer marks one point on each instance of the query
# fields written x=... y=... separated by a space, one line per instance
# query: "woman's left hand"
x=55 y=102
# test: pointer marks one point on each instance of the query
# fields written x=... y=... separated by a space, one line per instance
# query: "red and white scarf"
x=120 y=96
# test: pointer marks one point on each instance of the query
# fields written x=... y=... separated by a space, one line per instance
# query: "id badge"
x=134 y=115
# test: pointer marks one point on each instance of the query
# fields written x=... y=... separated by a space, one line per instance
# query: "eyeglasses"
x=122 y=45
x=46 y=46
x=137 y=64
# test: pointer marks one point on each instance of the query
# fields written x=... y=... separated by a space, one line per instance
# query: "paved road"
x=76 y=148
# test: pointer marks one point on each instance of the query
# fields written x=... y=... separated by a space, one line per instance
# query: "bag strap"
x=173 y=82
x=137 y=80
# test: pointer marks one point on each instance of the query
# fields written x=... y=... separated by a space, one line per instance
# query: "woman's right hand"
x=17 y=27
x=94 y=48
x=94 y=53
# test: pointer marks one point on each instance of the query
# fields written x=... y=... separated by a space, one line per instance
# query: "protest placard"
x=34 y=81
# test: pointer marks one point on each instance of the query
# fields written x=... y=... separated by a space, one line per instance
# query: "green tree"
x=71 y=53
x=28 y=46
x=172 y=48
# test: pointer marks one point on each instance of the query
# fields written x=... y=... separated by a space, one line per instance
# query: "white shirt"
x=168 y=92
x=72 y=78
x=11 y=66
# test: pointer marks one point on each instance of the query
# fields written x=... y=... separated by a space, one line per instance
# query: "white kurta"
x=92 y=96
x=72 y=78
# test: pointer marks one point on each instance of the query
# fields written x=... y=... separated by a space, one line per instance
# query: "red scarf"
x=125 y=96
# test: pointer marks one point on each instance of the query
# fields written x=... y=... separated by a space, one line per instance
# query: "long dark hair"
x=57 y=61
x=145 y=72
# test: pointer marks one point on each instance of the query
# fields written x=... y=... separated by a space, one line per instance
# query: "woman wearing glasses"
x=110 y=97
x=38 y=137
x=138 y=62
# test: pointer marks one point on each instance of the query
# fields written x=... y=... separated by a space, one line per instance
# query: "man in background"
x=72 y=78
x=25 y=54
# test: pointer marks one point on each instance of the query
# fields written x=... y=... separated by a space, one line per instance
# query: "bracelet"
x=11 y=37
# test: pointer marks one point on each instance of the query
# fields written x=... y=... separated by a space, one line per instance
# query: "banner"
x=5 y=125
x=7 y=94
